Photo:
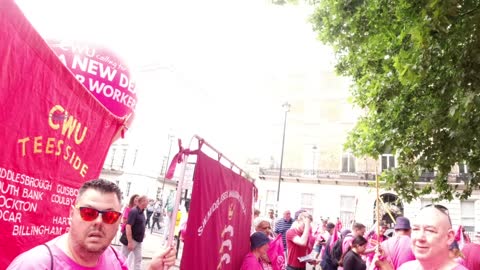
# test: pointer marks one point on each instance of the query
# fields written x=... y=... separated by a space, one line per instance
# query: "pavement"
x=153 y=242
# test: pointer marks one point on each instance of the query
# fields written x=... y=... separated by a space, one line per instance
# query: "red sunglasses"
x=90 y=214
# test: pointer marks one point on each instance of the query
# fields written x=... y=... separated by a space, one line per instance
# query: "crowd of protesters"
x=428 y=241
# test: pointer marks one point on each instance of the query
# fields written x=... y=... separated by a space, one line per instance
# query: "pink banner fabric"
x=218 y=227
x=54 y=134
x=275 y=253
x=101 y=71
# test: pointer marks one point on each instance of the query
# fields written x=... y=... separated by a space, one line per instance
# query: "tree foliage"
x=416 y=72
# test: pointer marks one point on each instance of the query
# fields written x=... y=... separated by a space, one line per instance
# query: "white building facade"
x=353 y=198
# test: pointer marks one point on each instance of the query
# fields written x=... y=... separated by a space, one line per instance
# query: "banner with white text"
x=218 y=226
x=54 y=135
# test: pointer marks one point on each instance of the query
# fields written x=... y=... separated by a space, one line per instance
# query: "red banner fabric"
x=54 y=136
x=219 y=221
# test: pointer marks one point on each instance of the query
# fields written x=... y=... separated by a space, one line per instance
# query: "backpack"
x=336 y=253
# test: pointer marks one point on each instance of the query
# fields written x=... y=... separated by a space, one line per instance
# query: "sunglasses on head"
x=440 y=208
x=90 y=214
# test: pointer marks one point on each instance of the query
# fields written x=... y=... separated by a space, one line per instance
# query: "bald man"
x=431 y=236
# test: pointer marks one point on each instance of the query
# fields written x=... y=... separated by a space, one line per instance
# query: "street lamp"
x=170 y=139
x=314 y=149
x=286 y=108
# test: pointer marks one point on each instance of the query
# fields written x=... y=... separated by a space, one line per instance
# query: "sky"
x=219 y=69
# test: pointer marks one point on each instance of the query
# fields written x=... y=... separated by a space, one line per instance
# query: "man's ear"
x=450 y=236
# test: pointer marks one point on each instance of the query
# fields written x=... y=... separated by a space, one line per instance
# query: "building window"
x=348 y=162
x=123 y=158
x=462 y=168
x=163 y=170
x=388 y=161
x=270 y=200
x=347 y=206
x=129 y=184
x=118 y=160
x=468 y=215
x=135 y=157
x=109 y=159
x=306 y=201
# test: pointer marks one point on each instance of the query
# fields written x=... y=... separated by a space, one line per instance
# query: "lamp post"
x=314 y=149
x=170 y=139
x=286 y=108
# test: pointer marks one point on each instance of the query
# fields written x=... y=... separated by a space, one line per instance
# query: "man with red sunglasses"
x=94 y=221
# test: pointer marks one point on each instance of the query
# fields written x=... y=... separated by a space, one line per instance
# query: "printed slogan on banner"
x=101 y=72
x=54 y=135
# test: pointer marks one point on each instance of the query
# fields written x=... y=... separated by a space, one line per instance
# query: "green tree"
x=416 y=71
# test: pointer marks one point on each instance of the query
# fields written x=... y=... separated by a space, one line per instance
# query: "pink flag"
x=54 y=136
x=459 y=237
x=218 y=232
x=275 y=253
x=334 y=236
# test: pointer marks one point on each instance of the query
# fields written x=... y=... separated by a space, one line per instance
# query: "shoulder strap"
x=51 y=256
x=116 y=254
x=114 y=251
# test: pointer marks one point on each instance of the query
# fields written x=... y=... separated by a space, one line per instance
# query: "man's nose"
x=98 y=220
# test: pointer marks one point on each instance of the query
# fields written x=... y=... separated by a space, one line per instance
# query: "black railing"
x=359 y=175
x=463 y=177
x=426 y=177
x=333 y=174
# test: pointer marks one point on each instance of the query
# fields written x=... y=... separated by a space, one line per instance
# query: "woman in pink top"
x=258 y=246
x=132 y=203
x=455 y=253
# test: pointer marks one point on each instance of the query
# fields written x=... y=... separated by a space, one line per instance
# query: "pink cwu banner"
x=54 y=136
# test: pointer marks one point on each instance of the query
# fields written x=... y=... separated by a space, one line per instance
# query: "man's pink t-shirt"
x=39 y=258
x=398 y=250
x=250 y=262
x=416 y=265
x=471 y=252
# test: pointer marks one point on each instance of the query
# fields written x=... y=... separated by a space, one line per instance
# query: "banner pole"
x=387 y=210
x=232 y=164
x=178 y=196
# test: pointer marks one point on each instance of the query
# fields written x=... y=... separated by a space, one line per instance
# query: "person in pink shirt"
x=262 y=224
x=358 y=229
x=258 y=248
x=432 y=235
x=374 y=240
x=339 y=224
x=455 y=253
x=132 y=203
x=397 y=249
x=300 y=241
